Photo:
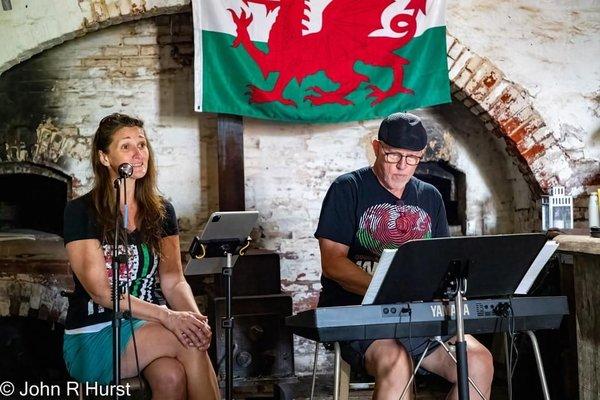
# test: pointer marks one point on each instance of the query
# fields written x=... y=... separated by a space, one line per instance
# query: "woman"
x=169 y=345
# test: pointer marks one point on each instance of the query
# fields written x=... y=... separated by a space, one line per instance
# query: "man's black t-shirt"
x=360 y=213
x=83 y=314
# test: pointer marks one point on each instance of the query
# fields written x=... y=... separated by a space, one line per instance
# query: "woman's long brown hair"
x=151 y=208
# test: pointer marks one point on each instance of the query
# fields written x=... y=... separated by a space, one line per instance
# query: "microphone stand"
x=116 y=298
x=227 y=323
x=457 y=287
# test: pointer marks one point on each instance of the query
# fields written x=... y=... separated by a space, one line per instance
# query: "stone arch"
x=29 y=167
x=73 y=19
x=42 y=152
x=507 y=111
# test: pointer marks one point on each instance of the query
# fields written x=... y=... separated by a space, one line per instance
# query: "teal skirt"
x=88 y=356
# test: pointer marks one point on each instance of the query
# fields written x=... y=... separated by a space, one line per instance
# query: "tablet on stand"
x=224 y=238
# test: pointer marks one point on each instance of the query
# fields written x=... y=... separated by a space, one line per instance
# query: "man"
x=380 y=207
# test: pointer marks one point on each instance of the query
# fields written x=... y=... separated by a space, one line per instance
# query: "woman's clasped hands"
x=191 y=328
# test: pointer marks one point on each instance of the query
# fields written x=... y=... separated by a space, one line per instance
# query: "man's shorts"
x=353 y=352
x=88 y=356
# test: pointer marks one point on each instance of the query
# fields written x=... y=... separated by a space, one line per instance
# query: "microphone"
x=125 y=170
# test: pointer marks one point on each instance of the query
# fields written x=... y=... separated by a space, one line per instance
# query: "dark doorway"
x=31 y=350
x=452 y=185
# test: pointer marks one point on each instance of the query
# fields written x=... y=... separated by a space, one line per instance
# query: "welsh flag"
x=319 y=60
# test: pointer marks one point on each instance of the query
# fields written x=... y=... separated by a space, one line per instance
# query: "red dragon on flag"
x=349 y=32
x=319 y=60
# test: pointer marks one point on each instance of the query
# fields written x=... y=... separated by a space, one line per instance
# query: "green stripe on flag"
x=226 y=73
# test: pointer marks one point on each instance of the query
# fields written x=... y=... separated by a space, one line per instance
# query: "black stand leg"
x=218 y=248
x=116 y=324
x=462 y=366
x=449 y=352
x=462 y=370
x=227 y=325
x=116 y=321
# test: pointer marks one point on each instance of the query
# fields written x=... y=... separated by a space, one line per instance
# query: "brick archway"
x=36 y=31
x=507 y=111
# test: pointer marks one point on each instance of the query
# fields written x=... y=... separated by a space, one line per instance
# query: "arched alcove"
x=33 y=197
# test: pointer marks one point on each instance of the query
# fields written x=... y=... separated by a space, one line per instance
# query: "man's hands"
x=191 y=328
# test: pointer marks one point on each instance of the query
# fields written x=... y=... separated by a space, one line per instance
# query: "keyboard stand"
x=538 y=362
x=412 y=377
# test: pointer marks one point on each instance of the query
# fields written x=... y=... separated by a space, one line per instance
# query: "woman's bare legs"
x=167 y=379
x=154 y=341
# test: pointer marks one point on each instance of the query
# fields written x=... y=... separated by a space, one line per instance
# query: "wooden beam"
x=230 y=149
x=578 y=244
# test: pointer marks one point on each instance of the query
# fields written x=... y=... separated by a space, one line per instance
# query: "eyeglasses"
x=396 y=158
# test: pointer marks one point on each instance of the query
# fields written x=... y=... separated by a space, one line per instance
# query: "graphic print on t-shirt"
x=387 y=226
x=133 y=260
x=139 y=274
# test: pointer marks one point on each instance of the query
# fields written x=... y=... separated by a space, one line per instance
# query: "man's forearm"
x=349 y=275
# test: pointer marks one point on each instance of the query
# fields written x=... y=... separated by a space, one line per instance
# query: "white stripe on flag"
x=214 y=17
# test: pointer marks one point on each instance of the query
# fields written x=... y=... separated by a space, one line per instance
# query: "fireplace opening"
x=32 y=202
x=31 y=350
x=452 y=185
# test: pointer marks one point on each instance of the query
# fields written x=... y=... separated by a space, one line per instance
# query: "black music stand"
x=450 y=268
x=224 y=236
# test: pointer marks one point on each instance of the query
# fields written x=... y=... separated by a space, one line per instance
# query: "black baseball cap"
x=403 y=130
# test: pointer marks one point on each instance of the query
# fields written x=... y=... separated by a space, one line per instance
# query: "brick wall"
x=34 y=297
x=505 y=107
x=32 y=276
x=38 y=25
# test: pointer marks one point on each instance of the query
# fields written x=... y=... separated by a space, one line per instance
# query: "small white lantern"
x=557 y=210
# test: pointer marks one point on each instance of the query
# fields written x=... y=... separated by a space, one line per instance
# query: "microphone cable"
x=408 y=310
x=508 y=313
x=512 y=333
x=129 y=316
